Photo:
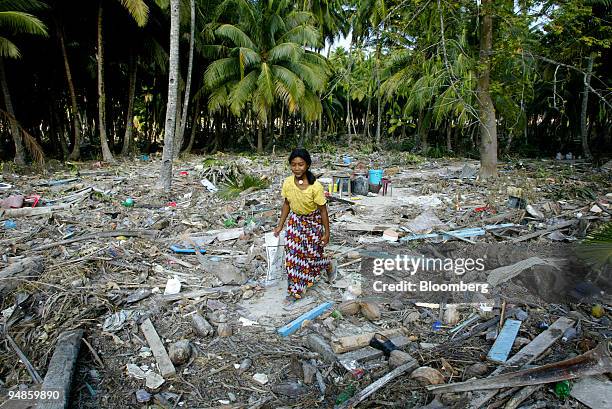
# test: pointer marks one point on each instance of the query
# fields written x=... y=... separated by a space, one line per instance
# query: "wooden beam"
x=373 y=387
x=100 y=235
x=157 y=347
x=61 y=369
x=525 y=356
x=350 y=360
x=352 y=342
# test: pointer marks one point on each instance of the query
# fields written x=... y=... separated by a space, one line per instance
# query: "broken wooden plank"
x=373 y=387
x=351 y=360
x=543 y=232
x=352 y=342
x=310 y=315
x=14 y=274
x=99 y=235
x=199 y=293
x=594 y=362
x=503 y=343
x=157 y=347
x=593 y=391
x=32 y=211
x=370 y=228
x=525 y=356
x=520 y=396
x=61 y=369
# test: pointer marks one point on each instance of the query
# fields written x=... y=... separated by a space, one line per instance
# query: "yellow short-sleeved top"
x=303 y=201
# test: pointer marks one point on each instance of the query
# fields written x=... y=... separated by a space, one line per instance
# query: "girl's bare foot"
x=332 y=271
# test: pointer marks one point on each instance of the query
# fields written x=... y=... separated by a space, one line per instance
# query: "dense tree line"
x=484 y=78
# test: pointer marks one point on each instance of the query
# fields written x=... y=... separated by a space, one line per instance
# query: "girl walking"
x=307 y=229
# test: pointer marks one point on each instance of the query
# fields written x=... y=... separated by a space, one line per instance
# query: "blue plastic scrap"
x=310 y=315
x=503 y=344
x=185 y=250
x=469 y=232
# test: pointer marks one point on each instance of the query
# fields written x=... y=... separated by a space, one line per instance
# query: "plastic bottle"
x=346 y=394
x=562 y=389
x=569 y=334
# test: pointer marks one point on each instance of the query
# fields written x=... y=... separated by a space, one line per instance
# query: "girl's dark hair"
x=303 y=153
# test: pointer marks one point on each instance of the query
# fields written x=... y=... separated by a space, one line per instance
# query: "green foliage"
x=234 y=186
x=597 y=247
x=265 y=60
x=211 y=162
x=438 y=152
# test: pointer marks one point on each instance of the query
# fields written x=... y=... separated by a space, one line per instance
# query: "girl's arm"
x=283 y=217
x=325 y=217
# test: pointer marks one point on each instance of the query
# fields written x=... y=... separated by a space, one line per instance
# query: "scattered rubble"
x=179 y=302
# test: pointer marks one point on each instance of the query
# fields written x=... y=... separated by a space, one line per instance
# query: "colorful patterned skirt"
x=304 y=258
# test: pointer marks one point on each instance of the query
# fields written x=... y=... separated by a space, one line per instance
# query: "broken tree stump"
x=61 y=368
x=16 y=273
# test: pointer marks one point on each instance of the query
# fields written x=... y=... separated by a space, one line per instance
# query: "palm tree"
x=139 y=10
x=265 y=60
x=170 y=124
x=13 y=16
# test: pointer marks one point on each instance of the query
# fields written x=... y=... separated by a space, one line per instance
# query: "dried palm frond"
x=33 y=147
x=28 y=140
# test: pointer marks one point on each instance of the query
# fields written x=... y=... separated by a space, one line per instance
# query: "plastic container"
x=375 y=176
x=360 y=185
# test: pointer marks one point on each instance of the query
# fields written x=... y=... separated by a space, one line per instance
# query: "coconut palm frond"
x=33 y=148
x=138 y=9
x=23 y=23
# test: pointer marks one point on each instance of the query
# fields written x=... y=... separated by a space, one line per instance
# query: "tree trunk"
x=129 y=119
x=107 y=156
x=178 y=144
x=183 y=123
x=449 y=132
x=583 y=112
x=15 y=130
x=76 y=120
x=378 y=95
x=259 y=136
x=423 y=131
x=194 y=126
x=170 y=123
x=366 y=127
x=488 y=124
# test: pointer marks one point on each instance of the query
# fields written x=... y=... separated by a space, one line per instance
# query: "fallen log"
x=352 y=342
x=594 y=362
x=16 y=273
